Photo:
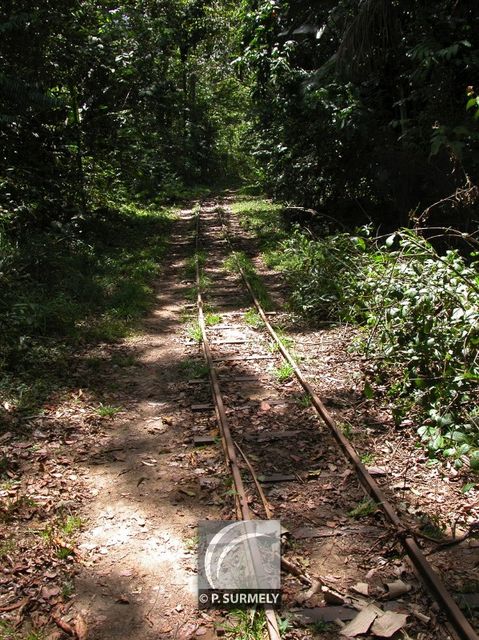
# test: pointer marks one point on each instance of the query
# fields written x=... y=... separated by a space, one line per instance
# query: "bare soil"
x=99 y=533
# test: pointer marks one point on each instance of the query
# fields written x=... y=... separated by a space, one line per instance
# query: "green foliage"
x=107 y=411
x=253 y=319
x=421 y=313
x=284 y=372
x=261 y=217
x=83 y=282
x=319 y=271
x=240 y=261
x=195 y=333
x=245 y=625
x=212 y=319
x=361 y=103
x=365 y=508
x=71 y=525
x=194 y=368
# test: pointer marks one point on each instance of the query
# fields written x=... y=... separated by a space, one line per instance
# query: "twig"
x=264 y=500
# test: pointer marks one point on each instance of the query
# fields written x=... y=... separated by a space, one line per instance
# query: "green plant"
x=420 y=315
x=367 y=458
x=211 y=319
x=253 y=319
x=63 y=553
x=190 y=269
x=245 y=624
x=284 y=372
x=195 y=333
x=304 y=400
x=363 y=509
x=71 y=525
x=284 y=624
x=68 y=589
x=191 y=543
x=107 y=410
x=194 y=368
x=239 y=261
x=285 y=340
x=347 y=429
x=7 y=547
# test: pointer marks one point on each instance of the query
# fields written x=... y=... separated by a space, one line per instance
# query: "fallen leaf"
x=201 y=631
x=264 y=406
x=49 y=592
x=332 y=597
x=376 y=471
x=386 y=626
x=397 y=588
x=187 y=492
x=81 y=628
x=16 y=605
x=361 y=587
x=361 y=623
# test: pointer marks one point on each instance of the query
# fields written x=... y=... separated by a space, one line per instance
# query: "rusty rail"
x=242 y=508
x=458 y=621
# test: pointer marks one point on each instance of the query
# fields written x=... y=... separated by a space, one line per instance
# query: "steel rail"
x=226 y=437
x=458 y=621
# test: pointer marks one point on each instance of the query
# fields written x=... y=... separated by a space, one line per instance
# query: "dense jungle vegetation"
x=359 y=119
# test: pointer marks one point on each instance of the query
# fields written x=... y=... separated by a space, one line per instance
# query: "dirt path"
x=138 y=581
x=129 y=468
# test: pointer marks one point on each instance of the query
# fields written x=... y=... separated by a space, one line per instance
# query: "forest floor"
x=101 y=501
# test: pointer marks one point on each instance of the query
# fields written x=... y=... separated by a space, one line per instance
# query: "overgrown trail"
x=139 y=577
x=132 y=470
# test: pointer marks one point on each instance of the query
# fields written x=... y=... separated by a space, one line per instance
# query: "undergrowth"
x=62 y=288
x=238 y=260
x=420 y=314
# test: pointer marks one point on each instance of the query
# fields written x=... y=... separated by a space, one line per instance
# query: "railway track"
x=281 y=443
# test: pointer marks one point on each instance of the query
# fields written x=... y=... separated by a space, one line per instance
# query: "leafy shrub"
x=421 y=312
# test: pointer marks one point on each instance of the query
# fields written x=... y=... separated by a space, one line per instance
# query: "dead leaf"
x=397 y=588
x=123 y=599
x=386 y=626
x=15 y=605
x=49 y=592
x=264 y=406
x=376 y=471
x=332 y=597
x=64 y=626
x=187 y=492
x=361 y=587
x=201 y=631
x=361 y=622
x=81 y=628
x=142 y=479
